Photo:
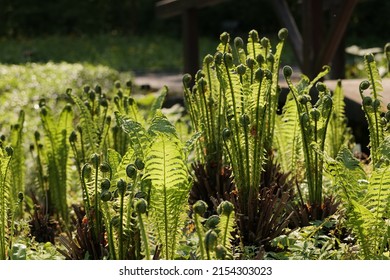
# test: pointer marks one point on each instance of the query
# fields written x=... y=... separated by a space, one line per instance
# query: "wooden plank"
x=170 y=8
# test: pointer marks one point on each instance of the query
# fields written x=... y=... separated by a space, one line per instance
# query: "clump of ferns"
x=81 y=244
x=313 y=124
x=107 y=226
x=365 y=189
x=52 y=159
x=234 y=103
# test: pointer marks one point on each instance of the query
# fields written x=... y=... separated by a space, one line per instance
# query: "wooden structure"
x=313 y=47
x=188 y=10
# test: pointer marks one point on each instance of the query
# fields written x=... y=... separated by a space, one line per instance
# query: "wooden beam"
x=336 y=33
x=170 y=8
x=285 y=17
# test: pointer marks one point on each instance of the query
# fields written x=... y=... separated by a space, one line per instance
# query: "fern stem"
x=258 y=135
x=120 y=237
x=199 y=229
x=144 y=236
x=226 y=230
x=4 y=212
x=97 y=206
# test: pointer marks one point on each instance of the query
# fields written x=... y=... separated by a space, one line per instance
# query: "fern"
x=139 y=139
x=378 y=193
x=5 y=206
x=17 y=169
x=366 y=199
x=273 y=97
x=372 y=107
x=289 y=139
x=313 y=121
x=226 y=223
x=158 y=103
x=87 y=126
x=57 y=135
x=166 y=169
x=339 y=134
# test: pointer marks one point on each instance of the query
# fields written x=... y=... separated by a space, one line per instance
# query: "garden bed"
x=91 y=170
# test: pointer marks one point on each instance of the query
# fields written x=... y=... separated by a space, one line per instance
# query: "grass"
x=149 y=53
x=135 y=53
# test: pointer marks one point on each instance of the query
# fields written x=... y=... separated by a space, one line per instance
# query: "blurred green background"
x=127 y=35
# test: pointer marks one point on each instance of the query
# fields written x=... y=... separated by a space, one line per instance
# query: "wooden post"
x=312 y=27
x=190 y=40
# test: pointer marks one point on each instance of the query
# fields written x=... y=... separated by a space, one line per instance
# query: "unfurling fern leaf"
x=254 y=47
x=226 y=223
x=166 y=169
x=373 y=76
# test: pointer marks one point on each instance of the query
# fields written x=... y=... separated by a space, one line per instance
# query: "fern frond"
x=226 y=228
x=120 y=170
x=17 y=169
x=378 y=192
x=366 y=201
x=89 y=129
x=372 y=107
x=363 y=223
x=289 y=139
x=161 y=125
x=158 y=103
x=166 y=169
x=139 y=139
x=57 y=135
x=348 y=175
x=5 y=205
x=231 y=87
x=339 y=134
x=373 y=76
x=254 y=47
